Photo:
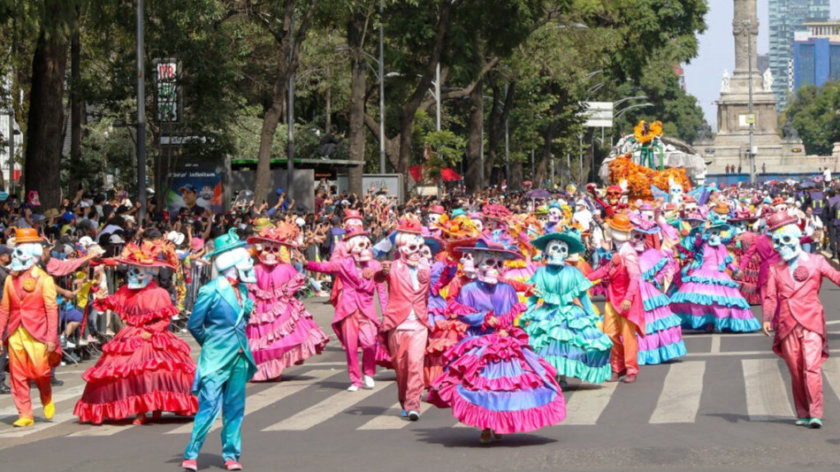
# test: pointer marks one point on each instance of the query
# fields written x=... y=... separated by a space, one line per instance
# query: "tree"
x=813 y=114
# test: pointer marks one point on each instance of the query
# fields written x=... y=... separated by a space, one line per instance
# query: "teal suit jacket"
x=218 y=323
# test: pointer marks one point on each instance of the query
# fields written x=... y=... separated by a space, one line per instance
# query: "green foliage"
x=813 y=113
x=445 y=149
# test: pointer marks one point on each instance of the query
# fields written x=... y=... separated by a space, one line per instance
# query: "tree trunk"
x=358 y=86
x=542 y=172
x=46 y=117
x=76 y=116
x=262 y=183
x=515 y=182
x=472 y=175
x=328 y=106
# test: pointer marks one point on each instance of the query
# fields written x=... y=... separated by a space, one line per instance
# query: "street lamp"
x=141 y=116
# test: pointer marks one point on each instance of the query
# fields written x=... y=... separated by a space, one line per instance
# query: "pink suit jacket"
x=356 y=292
x=403 y=297
x=623 y=279
x=797 y=301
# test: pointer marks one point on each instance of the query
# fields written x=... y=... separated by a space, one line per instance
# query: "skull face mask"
x=489 y=268
x=359 y=247
x=638 y=241
x=236 y=263
x=556 y=252
x=432 y=219
x=786 y=242
x=555 y=215
x=426 y=254
x=269 y=254
x=613 y=196
x=468 y=265
x=409 y=245
x=25 y=256
x=139 y=277
x=715 y=236
x=353 y=224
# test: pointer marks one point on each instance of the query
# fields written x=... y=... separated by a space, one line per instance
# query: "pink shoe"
x=231 y=464
x=189 y=464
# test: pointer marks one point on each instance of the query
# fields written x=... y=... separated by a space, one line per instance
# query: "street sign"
x=746 y=119
x=168 y=96
x=598 y=114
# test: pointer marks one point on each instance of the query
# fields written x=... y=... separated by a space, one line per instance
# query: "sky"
x=716 y=53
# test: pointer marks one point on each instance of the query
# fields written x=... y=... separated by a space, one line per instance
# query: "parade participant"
x=493 y=381
x=708 y=298
x=280 y=332
x=663 y=340
x=218 y=323
x=405 y=321
x=748 y=256
x=560 y=321
x=435 y=212
x=145 y=367
x=352 y=222
x=443 y=331
x=355 y=321
x=624 y=316
x=29 y=323
x=792 y=308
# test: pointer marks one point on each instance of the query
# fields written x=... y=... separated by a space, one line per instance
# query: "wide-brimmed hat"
x=435 y=244
x=495 y=242
x=643 y=225
x=409 y=225
x=437 y=209
x=620 y=222
x=282 y=233
x=149 y=254
x=721 y=208
x=717 y=221
x=226 y=242
x=571 y=237
x=779 y=219
x=27 y=235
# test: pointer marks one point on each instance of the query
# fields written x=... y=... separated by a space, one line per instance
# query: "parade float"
x=648 y=165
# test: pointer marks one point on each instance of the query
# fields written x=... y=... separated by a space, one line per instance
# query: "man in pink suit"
x=355 y=322
x=624 y=313
x=405 y=324
x=793 y=310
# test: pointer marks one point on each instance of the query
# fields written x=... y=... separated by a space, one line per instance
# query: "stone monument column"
x=745 y=31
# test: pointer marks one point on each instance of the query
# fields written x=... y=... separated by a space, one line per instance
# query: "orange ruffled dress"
x=135 y=375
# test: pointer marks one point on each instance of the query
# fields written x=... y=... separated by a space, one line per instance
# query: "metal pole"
x=11 y=151
x=481 y=152
x=533 y=173
x=437 y=98
x=381 y=89
x=507 y=153
x=580 y=174
x=750 y=105
x=551 y=185
x=141 y=116
x=290 y=154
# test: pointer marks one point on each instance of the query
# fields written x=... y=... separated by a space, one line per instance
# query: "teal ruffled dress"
x=562 y=332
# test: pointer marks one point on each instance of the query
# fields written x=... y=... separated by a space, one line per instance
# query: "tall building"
x=787 y=17
x=816 y=54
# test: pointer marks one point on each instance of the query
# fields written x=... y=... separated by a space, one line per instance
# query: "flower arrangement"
x=645 y=134
x=640 y=178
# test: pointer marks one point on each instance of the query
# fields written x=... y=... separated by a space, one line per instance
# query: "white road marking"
x=584 y=407
x=680 y=397
x=389 y=419
x=58 y=397
x=715 y=345
x=325 y=409
x=766 y=390
x=267 y=397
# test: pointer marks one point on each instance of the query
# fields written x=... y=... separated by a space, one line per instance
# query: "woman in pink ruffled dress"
x=280 y=331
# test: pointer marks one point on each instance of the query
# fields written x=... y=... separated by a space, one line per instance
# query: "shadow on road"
x=468 y=437
x=736 y=418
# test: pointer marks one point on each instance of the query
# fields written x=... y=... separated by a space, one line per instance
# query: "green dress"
x=564 y=333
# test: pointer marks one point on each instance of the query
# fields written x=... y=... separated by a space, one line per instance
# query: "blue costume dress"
x=225 y=366
x=493 y=381
x=562 y=332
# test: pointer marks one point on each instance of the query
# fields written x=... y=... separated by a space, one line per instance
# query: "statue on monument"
x=724 y=82
x=767 y=80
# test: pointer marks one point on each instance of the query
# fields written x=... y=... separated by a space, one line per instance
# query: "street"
x=725 y=406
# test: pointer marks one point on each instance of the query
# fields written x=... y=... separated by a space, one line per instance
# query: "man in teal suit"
x=225 y=366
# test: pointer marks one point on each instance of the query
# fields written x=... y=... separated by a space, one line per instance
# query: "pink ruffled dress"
x=280 y=331
x=136 y=375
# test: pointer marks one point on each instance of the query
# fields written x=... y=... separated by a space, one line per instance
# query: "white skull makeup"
x=25 y=256
x=638 y=241
x=555 y=215
x=353 y=223
x=489 y=268
x=468 y=265
x=359 y=248
x=432 y=219
x=426 y=254
x=409 y=245
x=269 y=254
x=139 y=277
x=786 y=242
x=556 y=252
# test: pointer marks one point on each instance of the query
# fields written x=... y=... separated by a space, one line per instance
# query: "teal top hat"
x=226 y=242
x=571 y=237
x=458 y=212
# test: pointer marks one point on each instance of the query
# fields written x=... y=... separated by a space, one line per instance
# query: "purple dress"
x=494 y=381
x=708 y=297
x=280 y=331
x=663 y=335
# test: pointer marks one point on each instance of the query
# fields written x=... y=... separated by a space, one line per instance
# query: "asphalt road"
x=725 y=406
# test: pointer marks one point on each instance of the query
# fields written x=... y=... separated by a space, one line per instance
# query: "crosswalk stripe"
x=680 y=397
x=267 y=397
x=324 y=410
x=831 y=370
x=766 y=391
x=389 y=419
x=58 y=397
x=584 y=407
x=40 y=425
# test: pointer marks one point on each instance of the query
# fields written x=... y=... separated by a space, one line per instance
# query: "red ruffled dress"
x=134 y=375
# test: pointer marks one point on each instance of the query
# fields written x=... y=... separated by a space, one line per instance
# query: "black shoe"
x=4 y=389
x=56 y=382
